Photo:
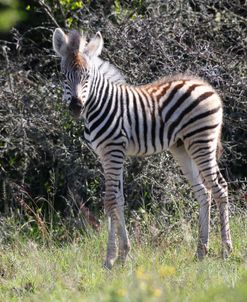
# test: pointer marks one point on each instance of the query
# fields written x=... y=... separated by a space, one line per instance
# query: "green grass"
x=163 y=269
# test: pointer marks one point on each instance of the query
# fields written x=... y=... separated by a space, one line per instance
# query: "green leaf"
x=69 y=21
x=77 y=5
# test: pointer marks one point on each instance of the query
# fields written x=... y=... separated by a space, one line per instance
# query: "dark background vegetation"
x=46 y=169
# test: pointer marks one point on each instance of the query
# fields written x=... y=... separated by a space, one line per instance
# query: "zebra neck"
x=103 y=116
x=108 y=71
x=100 y=92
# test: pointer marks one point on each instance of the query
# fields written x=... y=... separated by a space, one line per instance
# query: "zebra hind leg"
x=220 y=195
x=215 y=182
x=202 y=194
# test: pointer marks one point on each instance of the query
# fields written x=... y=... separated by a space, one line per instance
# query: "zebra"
x=179 y=113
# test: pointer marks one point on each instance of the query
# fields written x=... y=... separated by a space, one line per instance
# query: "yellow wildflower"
x=121 y=292
x=143 y=285
x=167 y=271
x=157 y=292
x=141 y=274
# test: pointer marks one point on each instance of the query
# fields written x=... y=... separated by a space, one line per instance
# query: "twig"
x=40 y=223
x=90 y=218
x=5 y=53
x=47 y=10
x=61 y=10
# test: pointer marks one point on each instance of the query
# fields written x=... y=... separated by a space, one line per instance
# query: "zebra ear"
x=95 y=46
x=60 y=42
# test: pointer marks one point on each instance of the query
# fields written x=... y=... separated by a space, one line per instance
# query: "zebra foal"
x=181 y=113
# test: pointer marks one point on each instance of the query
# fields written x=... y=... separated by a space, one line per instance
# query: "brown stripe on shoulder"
x=163 y=90
x=151 y=89
x=157 y=89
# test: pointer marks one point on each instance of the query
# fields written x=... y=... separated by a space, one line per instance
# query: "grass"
x=158 y=270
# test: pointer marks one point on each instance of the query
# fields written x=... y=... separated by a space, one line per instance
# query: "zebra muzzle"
x=75 y=107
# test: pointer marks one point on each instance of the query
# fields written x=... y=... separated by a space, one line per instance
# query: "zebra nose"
x=75 y=106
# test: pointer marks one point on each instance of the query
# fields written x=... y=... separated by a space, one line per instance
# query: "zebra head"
x=77 y=58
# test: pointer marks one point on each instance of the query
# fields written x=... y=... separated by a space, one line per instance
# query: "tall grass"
x=161 y=268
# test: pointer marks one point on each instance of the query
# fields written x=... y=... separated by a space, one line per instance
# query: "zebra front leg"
x=110 y=204
x=124 y=244
x=116 y=226
x=114 y=202
x=111 y=245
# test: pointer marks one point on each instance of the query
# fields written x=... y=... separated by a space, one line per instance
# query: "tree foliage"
x=9 y=14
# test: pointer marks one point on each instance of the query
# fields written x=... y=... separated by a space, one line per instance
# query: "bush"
x=44 y=160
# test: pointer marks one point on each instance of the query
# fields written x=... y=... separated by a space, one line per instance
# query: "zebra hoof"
x=108 y=264
x=121 y=260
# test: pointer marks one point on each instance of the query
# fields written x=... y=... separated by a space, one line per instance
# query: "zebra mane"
x=109 y=71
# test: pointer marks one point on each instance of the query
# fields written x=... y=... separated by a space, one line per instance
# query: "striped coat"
x=181 y=113
x=155 y=116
